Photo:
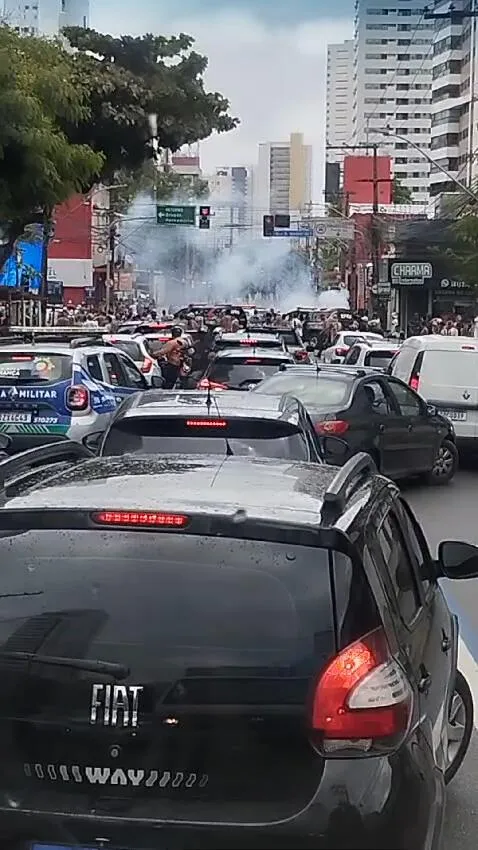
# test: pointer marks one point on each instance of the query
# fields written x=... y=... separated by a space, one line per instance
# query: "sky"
x=268 y=57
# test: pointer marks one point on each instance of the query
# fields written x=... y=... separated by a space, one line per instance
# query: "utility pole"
x=111 y=260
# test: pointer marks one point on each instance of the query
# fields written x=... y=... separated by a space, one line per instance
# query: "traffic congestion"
x=234 y=615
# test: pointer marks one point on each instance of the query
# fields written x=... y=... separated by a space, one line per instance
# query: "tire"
x=445 y=465
x=460 y=717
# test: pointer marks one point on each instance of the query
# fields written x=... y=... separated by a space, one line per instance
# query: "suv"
x=63 y=384
x=343 y=341
x=195 y=423
x=236 y=370
x=206 y=652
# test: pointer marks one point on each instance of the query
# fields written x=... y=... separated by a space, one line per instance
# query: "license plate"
x=16 y=417
x=454 y=415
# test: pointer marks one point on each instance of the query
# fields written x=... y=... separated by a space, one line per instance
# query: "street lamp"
x=430 y=159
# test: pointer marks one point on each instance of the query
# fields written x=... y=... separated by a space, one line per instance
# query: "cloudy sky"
x=268 y=57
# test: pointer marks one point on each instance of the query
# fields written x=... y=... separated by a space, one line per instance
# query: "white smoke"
x=334 y=299
x=219 y=264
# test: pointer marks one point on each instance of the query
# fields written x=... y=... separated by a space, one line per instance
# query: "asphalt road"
x=452 y=513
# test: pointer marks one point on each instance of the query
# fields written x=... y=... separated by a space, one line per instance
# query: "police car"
x=61 y=384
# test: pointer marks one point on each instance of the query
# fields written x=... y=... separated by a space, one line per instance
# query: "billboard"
x=23 y=269
x=359 y=179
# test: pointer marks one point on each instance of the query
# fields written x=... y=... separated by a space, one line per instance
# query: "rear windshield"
x=288 y=337
x=33 y=367
x=154 y=343
x=132 y=349
x=240 y=371
x=169 y=606
x=351 y=340
x=314 y=390
x=379 y=359
x=244 y=343
x=174 y=436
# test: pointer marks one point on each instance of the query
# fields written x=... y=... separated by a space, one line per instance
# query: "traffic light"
x=204 y=218
x=282 y=221
x=268 y=225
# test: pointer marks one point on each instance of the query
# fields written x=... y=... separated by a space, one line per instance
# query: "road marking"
x=469 y=668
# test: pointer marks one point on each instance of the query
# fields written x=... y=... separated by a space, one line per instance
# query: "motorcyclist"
x=171 y=358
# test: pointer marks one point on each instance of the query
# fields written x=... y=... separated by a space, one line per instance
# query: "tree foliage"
x=143 y=90
x=39 y=166
x=401 y=194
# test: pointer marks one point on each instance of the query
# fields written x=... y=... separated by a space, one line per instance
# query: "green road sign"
x=175 y=215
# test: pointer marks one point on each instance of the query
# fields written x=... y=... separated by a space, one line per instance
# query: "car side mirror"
x=457 y=559
x=157 y=382
x=5 y=443
x=431 y=410
x=92 y=441
x=334 y=449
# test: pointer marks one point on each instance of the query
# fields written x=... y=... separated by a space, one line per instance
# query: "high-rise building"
x=454 y=116
x=232 y=200
x=283 y=178
x=45 y=17
x=392 y=86
x=339 y=123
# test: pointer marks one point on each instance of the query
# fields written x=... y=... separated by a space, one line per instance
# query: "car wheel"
x=445 y=464
x=460 y=726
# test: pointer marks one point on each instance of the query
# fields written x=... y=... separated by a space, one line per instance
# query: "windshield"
x=314 y=390
x=34 y=367
x=237 y=372
x=251 y=437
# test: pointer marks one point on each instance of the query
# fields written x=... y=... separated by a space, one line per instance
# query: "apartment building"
x=283 y=176
x=393 y=46
x=454 y=113
x=45 y=17
x=339 y=101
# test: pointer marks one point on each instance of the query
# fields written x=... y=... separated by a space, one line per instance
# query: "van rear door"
x=449 y=380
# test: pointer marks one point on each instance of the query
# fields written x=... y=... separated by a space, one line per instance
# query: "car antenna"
x=229 y=452
x=208 y=398
x=317 y=368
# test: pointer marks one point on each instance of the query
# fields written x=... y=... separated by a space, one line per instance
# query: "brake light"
x=253 y=360
x=206 y=384
x=249 y=341
x=77 y=398
x=414 y=382
x=362 y=694
x=341 y=352
x=332 y=426
x=468 y=348
x=22 y=358
x=302 y=355
x=147 y=365
x=206 y=423
x=151 y=519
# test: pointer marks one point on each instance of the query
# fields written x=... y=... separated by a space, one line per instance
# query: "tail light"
x=341 y=352
x=77 y=398
x=147 y=365
x=414 y=382
x=152 y=519
x=362 y=696
x=206 y=384
x=302 y=356
x=332 y=426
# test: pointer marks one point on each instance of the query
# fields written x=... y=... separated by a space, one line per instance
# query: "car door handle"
x=381 y=428
x=445 y=642
x=424 y=682
x=410 y=428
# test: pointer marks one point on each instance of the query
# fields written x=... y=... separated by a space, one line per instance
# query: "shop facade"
x=422 y=289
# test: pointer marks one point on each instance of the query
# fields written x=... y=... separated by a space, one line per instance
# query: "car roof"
x=233 y=404
x=441 y=343
x=376 y=343
x=240 y=336
x=253 y=351
x=267 y=489
x=329 y=370
x=44 y=347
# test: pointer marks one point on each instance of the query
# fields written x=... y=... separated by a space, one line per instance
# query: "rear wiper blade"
x=109 y=668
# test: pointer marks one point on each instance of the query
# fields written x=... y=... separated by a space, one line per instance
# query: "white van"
x=444 y=370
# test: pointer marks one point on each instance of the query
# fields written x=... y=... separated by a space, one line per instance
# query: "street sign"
x=292 y=234
x=334 y=228
x=175 y=215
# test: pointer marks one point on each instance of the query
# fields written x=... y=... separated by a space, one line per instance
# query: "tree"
x=39 y=165
x=401 y=194
x=160 y=185
x=144 y=93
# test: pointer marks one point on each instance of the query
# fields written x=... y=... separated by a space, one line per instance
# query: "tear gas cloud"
x=221 y=264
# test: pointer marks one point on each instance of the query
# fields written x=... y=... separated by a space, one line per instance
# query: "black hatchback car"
x=218 y=652
x=372 y=412
x=234 y=423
